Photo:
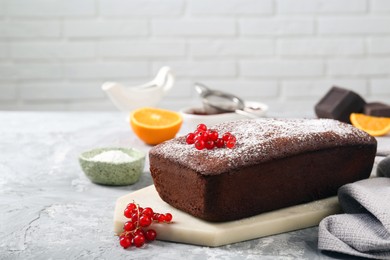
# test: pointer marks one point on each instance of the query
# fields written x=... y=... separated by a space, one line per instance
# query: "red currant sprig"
x=134 y=230
x=209 y=138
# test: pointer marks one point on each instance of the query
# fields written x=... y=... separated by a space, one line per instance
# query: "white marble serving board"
x=188 y=229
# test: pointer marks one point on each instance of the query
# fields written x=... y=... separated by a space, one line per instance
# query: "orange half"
x=154 y=125
x=373 y=125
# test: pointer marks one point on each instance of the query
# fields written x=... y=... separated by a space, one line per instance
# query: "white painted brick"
x=181 y=89
x=379 y=45
x=321 y=47
x=2 y=8
x=279 y=68
x=380 y=87
x=81 y=70
x=53 y=50
x=141 y=7
x=8 y=91
x=40 y=70
x=7 y=71
x=359 y=67
x=52 y=8
x=218 y=27
x=319 y=87
x=98 y=28
x=200 y=69
x=61 y=91
x=43 y=106
x=55 y=54
x=232 y=7
x=4 y=50
x=276 y=26
x=92 y=105
x=142 y=49
x=293 y=108
x=246 y=89
x=380 y=5
x=7 y=105
x=232 y=48
x=109 y=71
x=359 y=25
x=30 y=71
x=29 y=29
x=320 y=6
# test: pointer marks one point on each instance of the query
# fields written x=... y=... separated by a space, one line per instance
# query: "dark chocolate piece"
x=377 y=109
x=339 y=103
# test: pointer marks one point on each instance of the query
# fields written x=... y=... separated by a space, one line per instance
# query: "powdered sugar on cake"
x=262 y=140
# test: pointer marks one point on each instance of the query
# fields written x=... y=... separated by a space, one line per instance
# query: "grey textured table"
x=50 y=210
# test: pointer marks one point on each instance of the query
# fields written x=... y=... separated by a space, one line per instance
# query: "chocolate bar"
x=377 y=109
x=339 y=103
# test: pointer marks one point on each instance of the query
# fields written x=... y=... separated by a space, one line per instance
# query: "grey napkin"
x=365 y=228
x=383 y=168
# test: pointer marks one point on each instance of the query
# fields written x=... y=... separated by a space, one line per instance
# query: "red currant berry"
x=200 y=144
x=202 y=135
x=134 y=217
x=132 y=206
x=130 y=236
x=156 y=216
x=138 y=232
x=220 y=143
x=208 y=132
x=148 y=212
x=198 y=138
x=125 y=242
x=128 y=212
x=209 y=145
x=213 y=135
x=145 y=221
x=197 y=132
x=168 y=217
x=232 y=138
x=129 y=226
x=161 y=218
x=230 y=144
x=139 y=240
x=151 y=234
x=201 y=127
x=140 y=210
x=190 y=138
x=226 y=136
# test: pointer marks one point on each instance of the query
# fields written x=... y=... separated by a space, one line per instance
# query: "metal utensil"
x=215 y=101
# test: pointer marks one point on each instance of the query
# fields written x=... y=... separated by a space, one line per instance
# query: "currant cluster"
x=209 y=138
x=135 y=230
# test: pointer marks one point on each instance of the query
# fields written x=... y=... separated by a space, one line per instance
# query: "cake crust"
x=276 y=163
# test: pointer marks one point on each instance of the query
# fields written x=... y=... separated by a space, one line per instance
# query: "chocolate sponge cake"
x=276 y=163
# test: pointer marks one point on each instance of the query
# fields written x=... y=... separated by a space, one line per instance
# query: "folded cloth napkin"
x=383 y=168
x=365 y=228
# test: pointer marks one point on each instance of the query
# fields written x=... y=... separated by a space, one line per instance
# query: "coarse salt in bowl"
x=113 y=166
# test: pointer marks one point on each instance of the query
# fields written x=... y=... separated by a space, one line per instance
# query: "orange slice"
x=154 y=125
x=375 y=126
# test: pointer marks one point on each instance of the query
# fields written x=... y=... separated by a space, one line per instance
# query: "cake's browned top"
x=262 y=140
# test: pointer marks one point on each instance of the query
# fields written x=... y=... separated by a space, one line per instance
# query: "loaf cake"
x=276 y=163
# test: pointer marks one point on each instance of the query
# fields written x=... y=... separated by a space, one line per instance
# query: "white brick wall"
x=50 y=9
x=321 y=6
x=55 y=54
x=276 y=26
